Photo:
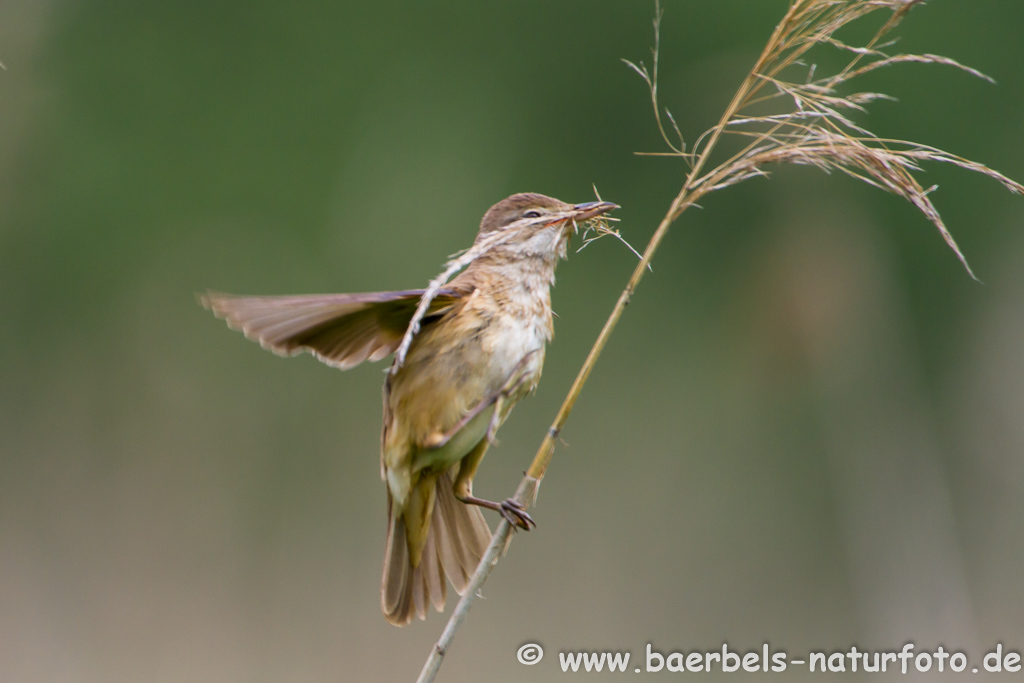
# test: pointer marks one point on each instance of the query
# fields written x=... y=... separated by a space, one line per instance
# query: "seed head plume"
x=812 y=115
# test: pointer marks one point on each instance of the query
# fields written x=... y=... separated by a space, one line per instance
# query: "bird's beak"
x=592 y=209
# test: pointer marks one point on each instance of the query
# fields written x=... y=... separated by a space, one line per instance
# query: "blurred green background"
x=808 y=429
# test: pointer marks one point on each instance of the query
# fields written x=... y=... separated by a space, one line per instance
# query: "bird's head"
x=538 y=224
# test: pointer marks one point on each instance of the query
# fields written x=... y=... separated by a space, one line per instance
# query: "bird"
x=470 y=355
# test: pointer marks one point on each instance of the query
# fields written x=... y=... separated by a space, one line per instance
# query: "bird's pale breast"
x=456 y=363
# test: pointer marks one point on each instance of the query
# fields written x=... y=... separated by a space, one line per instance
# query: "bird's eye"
x=531 y=214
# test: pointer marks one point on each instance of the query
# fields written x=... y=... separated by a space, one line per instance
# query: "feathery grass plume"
x=813 y=127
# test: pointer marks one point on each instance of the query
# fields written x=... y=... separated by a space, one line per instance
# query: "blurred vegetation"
x=807 y=429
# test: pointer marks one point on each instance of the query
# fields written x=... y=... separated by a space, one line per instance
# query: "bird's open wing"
x=342 y=330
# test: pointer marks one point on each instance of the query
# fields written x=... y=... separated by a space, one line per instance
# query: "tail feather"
x=419 y=599
x=457 y=539
x=433 y=573
x=464 y=535
x=395 y=593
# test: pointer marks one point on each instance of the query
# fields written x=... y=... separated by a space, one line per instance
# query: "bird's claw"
x=516 y=515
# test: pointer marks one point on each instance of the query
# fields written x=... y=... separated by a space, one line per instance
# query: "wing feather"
x=342 y=330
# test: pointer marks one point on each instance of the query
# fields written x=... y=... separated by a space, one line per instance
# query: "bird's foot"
x=514 y=513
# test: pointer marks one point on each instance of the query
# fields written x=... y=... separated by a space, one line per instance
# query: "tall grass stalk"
x=782 y=113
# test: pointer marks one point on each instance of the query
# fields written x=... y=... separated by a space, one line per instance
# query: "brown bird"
x=479 y=349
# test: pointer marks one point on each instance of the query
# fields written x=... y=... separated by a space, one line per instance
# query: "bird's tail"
x=457 y=538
